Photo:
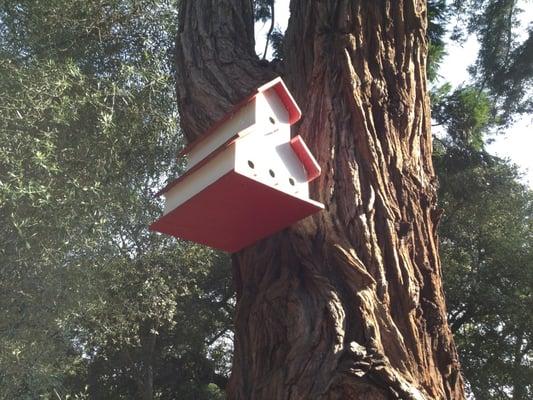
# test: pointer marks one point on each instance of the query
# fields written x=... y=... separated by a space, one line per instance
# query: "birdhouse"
x=245 y=178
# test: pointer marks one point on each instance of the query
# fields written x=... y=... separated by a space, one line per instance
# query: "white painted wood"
x=259 y=158
x=268 y=149
x=243 y=118
x=264 y=154
x=270 y=105
x=198 y=180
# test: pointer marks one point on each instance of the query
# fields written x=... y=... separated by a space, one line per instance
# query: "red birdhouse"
x=245 y=179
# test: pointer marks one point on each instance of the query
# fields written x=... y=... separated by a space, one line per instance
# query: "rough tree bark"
x=347 y=304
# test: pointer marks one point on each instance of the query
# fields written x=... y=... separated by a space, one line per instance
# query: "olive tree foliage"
x=93 y=304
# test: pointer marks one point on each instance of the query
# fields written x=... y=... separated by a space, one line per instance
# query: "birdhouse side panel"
x=242 y=119
x=200 y=178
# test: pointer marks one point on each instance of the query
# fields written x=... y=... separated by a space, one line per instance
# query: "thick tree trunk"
x=347 y=304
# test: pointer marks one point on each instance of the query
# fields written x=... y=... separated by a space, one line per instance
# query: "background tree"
x=486 y=250
x=92 y=303
x=504 y=67
x=486 y=229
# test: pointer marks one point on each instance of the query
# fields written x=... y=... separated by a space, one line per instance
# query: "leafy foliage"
x=504 y=67
x=487 y=253
x=276 y=38
x=263 y=10
x=466 y=114
x=94 y=305
x=437 y=17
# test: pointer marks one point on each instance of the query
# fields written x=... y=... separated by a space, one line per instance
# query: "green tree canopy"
x=93 y=303
x=487 y=254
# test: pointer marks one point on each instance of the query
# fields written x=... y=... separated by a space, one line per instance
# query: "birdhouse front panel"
x=270 y=110
x=246 y=179
x=270 y=160
x=266 y=154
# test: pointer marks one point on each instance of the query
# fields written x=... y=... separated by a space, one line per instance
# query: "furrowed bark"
x=215 y=61
x=347 y=304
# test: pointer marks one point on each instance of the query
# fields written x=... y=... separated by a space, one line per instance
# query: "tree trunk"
x=145 y=378
x=346 y=304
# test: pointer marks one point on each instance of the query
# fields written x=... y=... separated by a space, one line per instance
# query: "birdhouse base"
x=234 y=212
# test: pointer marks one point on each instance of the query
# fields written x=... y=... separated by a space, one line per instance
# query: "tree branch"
x=271 y=28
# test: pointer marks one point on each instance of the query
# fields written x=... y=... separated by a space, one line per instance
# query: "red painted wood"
x=233 y=213
x=286 y=98
x=310 y=164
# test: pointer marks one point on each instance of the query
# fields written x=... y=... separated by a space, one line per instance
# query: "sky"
x=517 y=142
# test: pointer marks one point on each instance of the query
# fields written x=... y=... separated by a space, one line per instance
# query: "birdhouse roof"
x=281 y=90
